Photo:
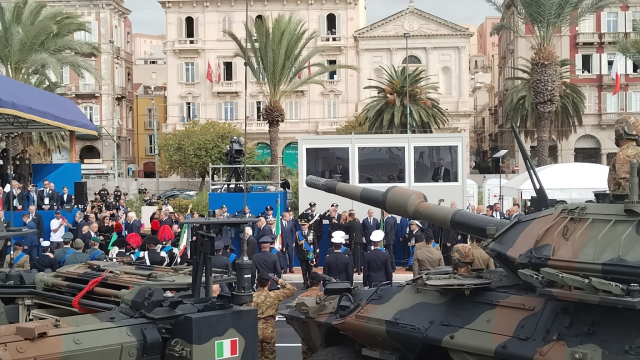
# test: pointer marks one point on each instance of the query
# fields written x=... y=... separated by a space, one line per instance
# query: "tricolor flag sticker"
x=226 y=348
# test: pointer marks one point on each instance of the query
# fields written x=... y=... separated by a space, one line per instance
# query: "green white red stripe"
x=226 y=348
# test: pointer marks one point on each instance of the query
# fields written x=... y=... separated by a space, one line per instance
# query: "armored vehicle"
x=566 y=287
x=107 y=310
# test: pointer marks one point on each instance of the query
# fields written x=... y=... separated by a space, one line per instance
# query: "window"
x=610 y=59
x=586 y=25
x=633 y=101
x=92 y=112
x=331 y=112
x=191 y=111
x=228 y=71
x=189 y=27
x=150 y=117
x=130 y=146
x=259 y=18
x=257 y=107
x=586 y=64
x=611 y=103
x=635 y=17
x=332 y=75
x=330 y=26
x=91 y=35
x=591 y=101
x=227 y=110
x=328 y=163
x=151 y=144
x=154 y=75
x=190 y=72
x=612 y=22
x=435 y=164
x=293 y=110
x=227 y=25
x=86 y=81
x=414 y=60
x=381 y=165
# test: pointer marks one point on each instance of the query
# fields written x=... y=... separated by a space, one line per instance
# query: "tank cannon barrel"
x=410 y=204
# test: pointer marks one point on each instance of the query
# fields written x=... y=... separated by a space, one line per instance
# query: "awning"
x=24 y=108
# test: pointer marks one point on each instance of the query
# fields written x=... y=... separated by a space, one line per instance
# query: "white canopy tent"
x=572 y=182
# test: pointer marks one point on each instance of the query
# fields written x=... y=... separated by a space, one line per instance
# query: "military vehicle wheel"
x=336 y=353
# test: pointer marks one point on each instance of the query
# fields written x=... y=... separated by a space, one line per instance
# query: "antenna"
x=541 y=202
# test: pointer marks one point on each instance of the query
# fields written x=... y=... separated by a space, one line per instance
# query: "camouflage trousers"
x=306 y=354
x=266 y=341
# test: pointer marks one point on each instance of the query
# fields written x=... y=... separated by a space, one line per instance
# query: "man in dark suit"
x=288 y=232
x=390 y=224
x=18 y=198
x=37 y=219
x=65 y=198
x=30 y=197
x=55 y=195
x=45 y=197
x=165 y=219
x=263 y=228
x=369 y=225
x=497 y=211
x=3 y=242
x=377 y=263
x=252 y=243
x=516 y=212
x=441 y=173
x=342 y=170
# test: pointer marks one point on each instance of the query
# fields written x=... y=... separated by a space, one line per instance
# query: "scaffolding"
x=224 y=179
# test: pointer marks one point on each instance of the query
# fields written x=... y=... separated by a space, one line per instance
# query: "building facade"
x=108 y=101
x=150 y=65
x=150 y=105
x=487 y=44
x=195 y=40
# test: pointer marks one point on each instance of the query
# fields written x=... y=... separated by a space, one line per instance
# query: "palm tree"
x=544 y=18
x=387 y=110
x=36 y=43
x=567 y=115
x=278 y=54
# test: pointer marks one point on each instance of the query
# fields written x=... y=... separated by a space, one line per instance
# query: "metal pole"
x=155 y=134
x=246 y=101
x=115 y=143
x=500 y=184
x=406 y=36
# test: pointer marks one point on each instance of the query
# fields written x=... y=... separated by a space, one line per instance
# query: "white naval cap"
x=45 y=244
x=337 y=240
x=377 y=235
x=338 y=233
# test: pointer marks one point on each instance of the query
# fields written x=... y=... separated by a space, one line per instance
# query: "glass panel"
x=436 y=164
x=381 y=165
x=328 y=163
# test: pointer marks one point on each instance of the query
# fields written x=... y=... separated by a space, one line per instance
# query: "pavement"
x=400 y=275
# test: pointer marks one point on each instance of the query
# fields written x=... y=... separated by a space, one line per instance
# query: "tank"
x=108 y=310
x=565 y=287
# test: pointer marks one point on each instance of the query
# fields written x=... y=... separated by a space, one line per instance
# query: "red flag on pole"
x=219 y=72
x=209 y=72
x=615 y=75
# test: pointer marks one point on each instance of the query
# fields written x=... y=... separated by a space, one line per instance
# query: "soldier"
x=267 y=303
x=462 y=259
x=427 y=256
x=110 y=204
x=627 y=138
x=480 y=258
x=77 y=256
x=314 y=292
x=415 y=236
x=267 y=213
x=47 y=260
x=24 y=167
x=154 y=255
x=338 y=265
x=117 y=194
x=103 y=193
x=345 y=250
x=20 y=259
x=95 y=253
x=266 y=261
x=377 y=263
x=66 y=249
x=120 y=248
x=303 y=249
x=219 y=261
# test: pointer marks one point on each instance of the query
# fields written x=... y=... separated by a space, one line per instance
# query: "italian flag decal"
x=226 y=348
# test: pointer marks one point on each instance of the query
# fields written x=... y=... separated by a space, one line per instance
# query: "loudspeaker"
x=80 y=193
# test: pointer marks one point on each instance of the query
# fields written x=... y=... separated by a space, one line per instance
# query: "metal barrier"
x=234 y=177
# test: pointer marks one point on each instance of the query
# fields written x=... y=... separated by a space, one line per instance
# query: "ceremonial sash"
x=18 y=258
x=136 y=255
x=232 y=257
x=94 y=255
x=167 y=248
x=65 y=257
x=342 y=250
x=274 y=251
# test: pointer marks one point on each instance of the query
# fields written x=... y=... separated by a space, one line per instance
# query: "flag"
x=278 y=243
x=615 y=75
x=309 y=67
x=300 y=75
x=219 y=72
x=226 y=348
x=209 y=72
x=183 y=241
x=113 y=238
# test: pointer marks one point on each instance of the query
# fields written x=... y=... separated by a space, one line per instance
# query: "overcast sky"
x=148 y=17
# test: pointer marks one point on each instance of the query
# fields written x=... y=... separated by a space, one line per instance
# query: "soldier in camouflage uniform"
x=462 y=259
x=627 y=133
x=267 y=303
x=315 y=279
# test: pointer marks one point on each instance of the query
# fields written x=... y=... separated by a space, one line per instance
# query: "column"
x=428 y=65
x=362 y=80
x=603 y=158
x=463 y=88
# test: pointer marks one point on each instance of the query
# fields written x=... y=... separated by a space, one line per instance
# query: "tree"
x=357 y=125
x=192 y=149
x=567 y=116
x=539 y=22
x=36 y=43
x=387 y=110
x=279 y=54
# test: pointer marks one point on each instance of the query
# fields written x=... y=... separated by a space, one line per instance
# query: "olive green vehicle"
x=110 y=311
x=566 y=287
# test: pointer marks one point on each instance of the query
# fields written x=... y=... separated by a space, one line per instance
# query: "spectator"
x=58 y=227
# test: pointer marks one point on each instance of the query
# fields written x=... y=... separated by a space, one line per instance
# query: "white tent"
x=472 y=194
x=572 y=182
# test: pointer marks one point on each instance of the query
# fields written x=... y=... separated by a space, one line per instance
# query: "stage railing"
x=225 y=179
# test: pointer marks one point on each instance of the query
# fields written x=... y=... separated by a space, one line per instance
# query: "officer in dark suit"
x=18 y=198
x=219 y=261
x=345 y=250
x=303 y=248
x=263 y=228
x=165 y=219
x=377 y=263
x=37 y=219
x=266 y=262
x=369 y=225
x=441 y=173
x=390 y=224
x=338 y=265
x=288 y=232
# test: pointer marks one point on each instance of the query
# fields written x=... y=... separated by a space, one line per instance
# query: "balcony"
x=587 y=38
x=634 y=35
x=127 y=56
x=188 y=44
x=331 y=40
x=121 y=91
x=83 y=89
x=331 y=83
x=292 y=126
x=227 y=87
x=610 y=38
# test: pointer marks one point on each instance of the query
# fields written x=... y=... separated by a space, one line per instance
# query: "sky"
x=148 y=16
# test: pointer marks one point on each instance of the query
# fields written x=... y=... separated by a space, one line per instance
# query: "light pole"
x=406 y=59
x=155 y=133
x=499 y=155
x=246 y=101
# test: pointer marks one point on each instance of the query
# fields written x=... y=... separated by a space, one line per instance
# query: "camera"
x=235 y=150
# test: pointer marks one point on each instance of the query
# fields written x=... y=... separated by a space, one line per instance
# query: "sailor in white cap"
x=377 y=263
x=415 y=236
x=46 y=260
x=337 y=264
x=338 y=237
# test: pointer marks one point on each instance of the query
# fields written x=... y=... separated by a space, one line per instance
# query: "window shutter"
x=629 y=21
x=622 y=62
x=605 y=69
x=322 y=25
x=621 y=21
x=219 y=116
x=335 y=109
x=339 y=71
x=578 y=64
x=197 y=108
x=65 y=75
x=595 y=64
x=197 y=71
x=607 y=102
x=327 y=110
x=77 y=35
x=96 y=114
x=235 y=111
x=338 y=25
x=181 y=71
x=596 y=101
x=252 y=110
x=234 y=70
x=621 y=101
x=195 y=27
x=296 y=106
x=630 y=101
x=181 y=106
x=603 y=22
x=630 y=66
x=94 y=31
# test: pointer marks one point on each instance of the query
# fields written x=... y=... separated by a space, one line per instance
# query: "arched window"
x=446 y=87
x=189 y=26
x=587 y=149
x=227 y=24
x=331 y=24
x=259 y=18
x=378 y=74
x=330 y=28
x=413 y=60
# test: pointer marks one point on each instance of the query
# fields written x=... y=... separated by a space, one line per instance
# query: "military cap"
x=271 y=219
x=338 y=233
x=289 y=209
x=377 y=235
x=45 y=244
x=67 y=236
x=335 y=205
x=218 y=245
x=246 y=208
x=18 y=243
x=268 y=208
x=337 y=240
x=463 y=253
x=314 y=276
x=120 y=242
x=416 y=222
x=312 y=204
x=303 y=222
x=95 y=239
x=78 y=244
x=151 y=239
x=265 y=240
x=627 y=126
x=264 y=276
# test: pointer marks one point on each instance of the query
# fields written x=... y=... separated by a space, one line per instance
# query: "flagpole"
x=246 y=103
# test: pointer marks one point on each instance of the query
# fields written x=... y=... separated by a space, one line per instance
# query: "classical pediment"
x=415 y=22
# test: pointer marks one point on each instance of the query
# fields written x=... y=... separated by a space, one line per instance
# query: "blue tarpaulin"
x=24 y=108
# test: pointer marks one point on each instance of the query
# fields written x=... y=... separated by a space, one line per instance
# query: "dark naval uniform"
x=156 y=257
x=95 y=254
x=44 y=262
x=377 y=268
x=268 y=263
x=338 y=266
x=345 y=250
x=302 y=248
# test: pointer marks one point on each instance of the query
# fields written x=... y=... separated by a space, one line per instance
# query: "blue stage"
x=47 y=216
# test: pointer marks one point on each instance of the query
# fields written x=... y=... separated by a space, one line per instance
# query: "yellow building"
x=143 y=124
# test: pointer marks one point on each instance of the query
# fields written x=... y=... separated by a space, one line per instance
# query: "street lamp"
x=406 y=59
x=246 y=101
x=499 y=155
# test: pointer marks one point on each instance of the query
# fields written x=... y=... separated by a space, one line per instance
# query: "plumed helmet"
x=463 y=254
x=627 y=127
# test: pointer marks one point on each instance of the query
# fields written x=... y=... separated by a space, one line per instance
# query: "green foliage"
x=201 y=203
x=484 y=168
x=521 y=111
x=192 y=149
x=386 y=112
x=295 y=191
x=357 y=125
x=135 y=203
x=179 y=206
x=480 y=197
